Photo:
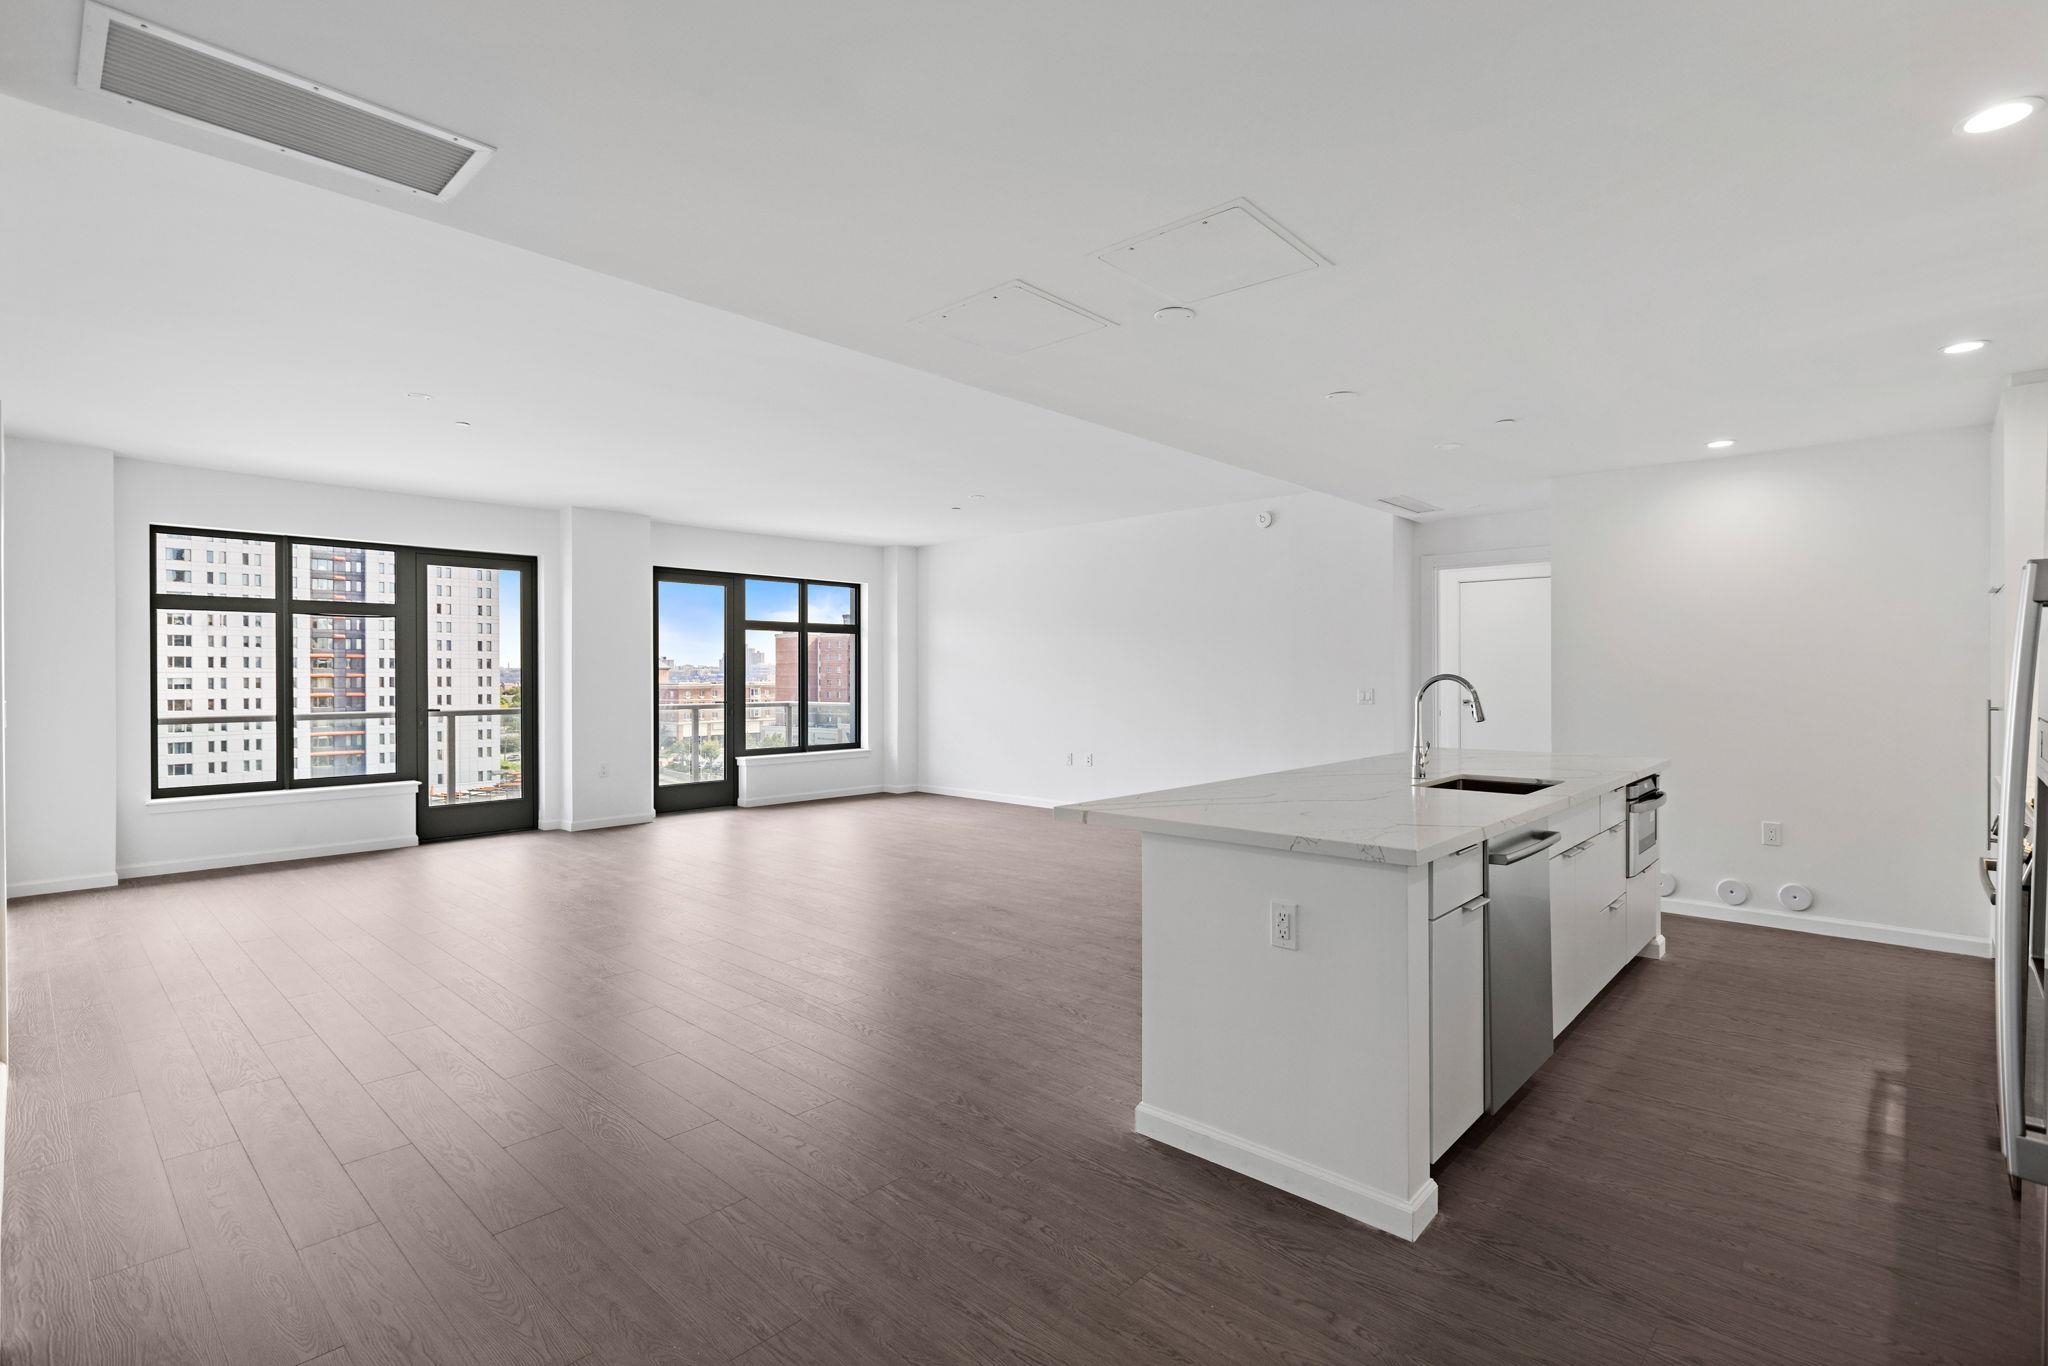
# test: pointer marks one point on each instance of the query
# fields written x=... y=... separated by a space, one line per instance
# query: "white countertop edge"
x=1396 y=842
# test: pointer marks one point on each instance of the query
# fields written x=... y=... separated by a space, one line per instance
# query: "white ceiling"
x=1634 y=227
x=169 y=305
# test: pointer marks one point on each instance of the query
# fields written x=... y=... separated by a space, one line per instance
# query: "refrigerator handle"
x=2010 y=916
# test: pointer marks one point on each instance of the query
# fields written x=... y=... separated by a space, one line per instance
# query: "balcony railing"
x=691 y=740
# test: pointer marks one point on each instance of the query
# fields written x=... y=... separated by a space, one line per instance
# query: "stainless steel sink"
x=1476 y=782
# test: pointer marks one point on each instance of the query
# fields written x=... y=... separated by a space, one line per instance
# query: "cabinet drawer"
x=1456 y=878
x=1576 y=825
x=1613 y=809
x=1606 y=868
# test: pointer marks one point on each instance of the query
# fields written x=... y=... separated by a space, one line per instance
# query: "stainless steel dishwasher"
x=1518 y=1038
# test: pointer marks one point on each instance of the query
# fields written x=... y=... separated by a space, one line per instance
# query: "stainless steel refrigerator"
x=2018 y=902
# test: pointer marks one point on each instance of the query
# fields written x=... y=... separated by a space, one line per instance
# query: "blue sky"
x=511 y=583
x=692 y=621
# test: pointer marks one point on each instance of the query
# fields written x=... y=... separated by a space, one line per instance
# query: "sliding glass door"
x=696 y=713
x=474 y=625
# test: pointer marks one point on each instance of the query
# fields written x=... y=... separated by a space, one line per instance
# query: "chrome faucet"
x=1419 y=753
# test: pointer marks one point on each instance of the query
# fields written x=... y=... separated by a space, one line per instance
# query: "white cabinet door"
x=1457 y=1024
x=1613 y=952
x=1568 y=922
x=1644 y=909
x=1586 y=929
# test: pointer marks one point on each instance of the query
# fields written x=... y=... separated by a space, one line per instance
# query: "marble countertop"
x=1367 y=808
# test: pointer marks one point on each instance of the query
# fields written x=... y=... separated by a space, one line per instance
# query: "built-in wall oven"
x=1644 y=799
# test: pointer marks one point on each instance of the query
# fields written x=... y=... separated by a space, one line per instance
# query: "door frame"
x=723 y=791
x=1439 y=723
x=482 y=818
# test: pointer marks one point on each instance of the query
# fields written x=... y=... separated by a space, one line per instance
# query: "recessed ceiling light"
x=460 y=423
x=1504 y=422
x=1342 y=393
x=1963 y=348
x=1173 y=313
x=2004 y=114
x=954 y=508
x=977 y=497
x=418 y=395
x=1720 y=443
x=1449 y=446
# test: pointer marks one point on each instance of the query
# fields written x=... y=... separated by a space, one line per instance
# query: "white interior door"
x=1493 y=626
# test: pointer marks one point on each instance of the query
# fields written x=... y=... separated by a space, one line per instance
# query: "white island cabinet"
x=1315 y=959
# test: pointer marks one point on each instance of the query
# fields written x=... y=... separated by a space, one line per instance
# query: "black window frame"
x=407 y=615
x=804 y=630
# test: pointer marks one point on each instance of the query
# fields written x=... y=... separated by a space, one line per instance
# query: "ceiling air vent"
x=1013 y=318
x=1412 y=506
x=195 y=83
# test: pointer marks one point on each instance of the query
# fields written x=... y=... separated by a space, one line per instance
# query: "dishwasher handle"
x=1515 y=853
x=1649 y=801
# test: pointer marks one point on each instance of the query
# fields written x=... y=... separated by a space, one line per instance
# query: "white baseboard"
x=1831 y=926
x=974 y=796
x=608 y=822
x=209 y=861
x=48 y=886
x=901 y=789
x=864 y=790
x=1402 y=1218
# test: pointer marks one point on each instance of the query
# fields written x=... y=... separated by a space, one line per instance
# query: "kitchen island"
x=1315 y=956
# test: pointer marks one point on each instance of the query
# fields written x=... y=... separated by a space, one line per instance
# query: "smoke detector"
x=178 y=77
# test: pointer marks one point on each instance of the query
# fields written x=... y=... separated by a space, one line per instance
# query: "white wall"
x=607 y=681
x=1176 y=649
x=1801 y=633
x=61 y=667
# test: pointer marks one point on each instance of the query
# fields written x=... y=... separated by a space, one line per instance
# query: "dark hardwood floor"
x=852 y=1082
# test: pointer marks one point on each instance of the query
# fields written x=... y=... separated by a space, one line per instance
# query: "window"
x=339 y=695
x=802 y=665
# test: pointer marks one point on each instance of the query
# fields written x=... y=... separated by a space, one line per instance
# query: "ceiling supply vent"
x=1013 y=318
x=207 y=87
x=1401 y=502
x=1231 y=247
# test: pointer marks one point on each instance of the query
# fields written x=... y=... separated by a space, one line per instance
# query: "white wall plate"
x=1795 y=896
x=1667 y=885
x=1732 y=891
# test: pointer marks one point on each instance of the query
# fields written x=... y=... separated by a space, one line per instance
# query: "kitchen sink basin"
x=1474 y=782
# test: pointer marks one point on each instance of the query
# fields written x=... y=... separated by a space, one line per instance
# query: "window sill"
x=803 y=756
x=203 y=801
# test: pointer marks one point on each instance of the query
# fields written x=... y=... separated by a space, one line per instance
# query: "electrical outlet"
x=1070 y=760
x=604 y=770
x=1091 y=761
x=1286 y=926
x=1774 y=834
x=1368 y=696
